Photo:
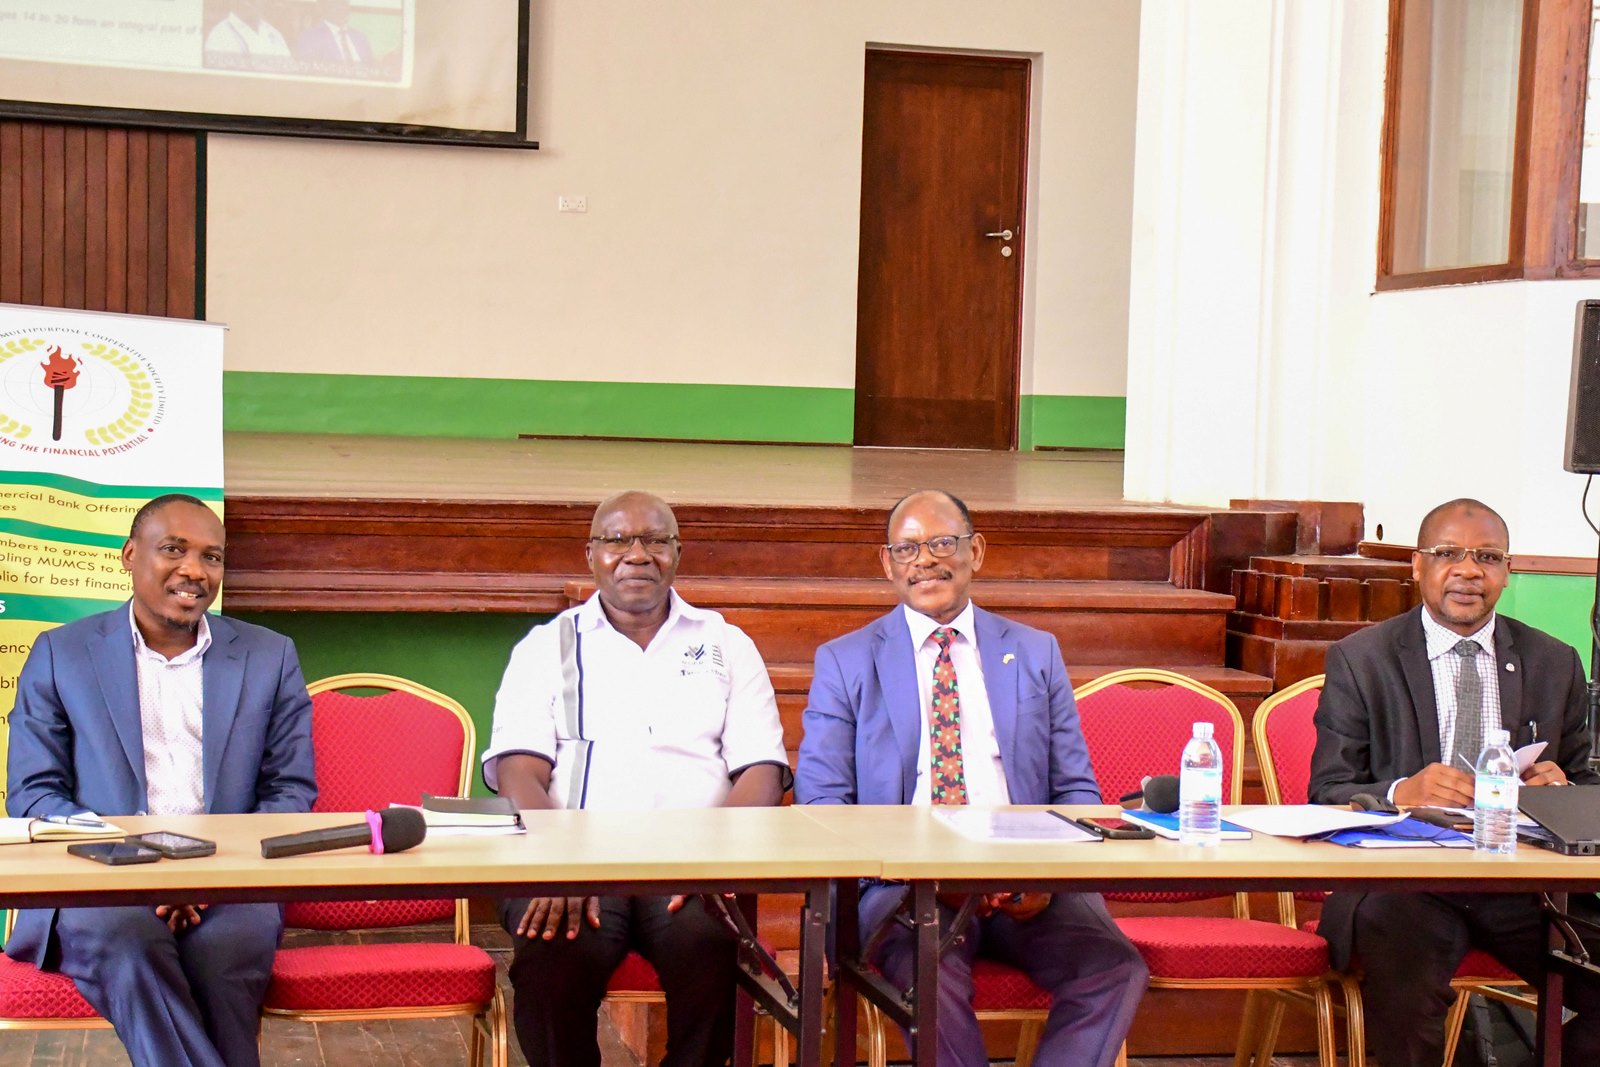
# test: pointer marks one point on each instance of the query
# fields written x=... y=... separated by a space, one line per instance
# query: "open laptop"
x=1571 y=815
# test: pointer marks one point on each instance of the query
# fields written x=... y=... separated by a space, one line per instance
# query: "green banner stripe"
x=23 y=528
x=99 y=491
x=22 y=607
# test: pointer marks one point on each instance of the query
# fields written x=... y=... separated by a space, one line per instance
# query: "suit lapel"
x=1507 y=667
x=119 y=688
x=1419 y=680
x=1000 y=682
x=222 y=671
x=896 y=665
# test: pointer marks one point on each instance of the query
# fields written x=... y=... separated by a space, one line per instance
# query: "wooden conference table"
x=915 y=847
x=816 y=851
x=753 y=850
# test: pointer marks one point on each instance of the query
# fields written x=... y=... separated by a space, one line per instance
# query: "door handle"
x=1004 y=235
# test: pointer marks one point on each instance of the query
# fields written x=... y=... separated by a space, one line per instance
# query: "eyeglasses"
x=619 y=544
x=938 y=547
x=1485 y=557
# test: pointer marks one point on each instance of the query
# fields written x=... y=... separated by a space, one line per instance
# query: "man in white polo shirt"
x=634 y=700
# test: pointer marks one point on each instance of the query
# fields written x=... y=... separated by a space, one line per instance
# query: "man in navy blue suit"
x=942 y=702
x=156 y=708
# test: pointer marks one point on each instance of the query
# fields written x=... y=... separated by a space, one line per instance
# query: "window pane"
x=1456 y=133
x=1589 y=175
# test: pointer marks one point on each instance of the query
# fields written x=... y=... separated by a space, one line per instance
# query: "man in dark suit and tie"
x=1402 y=715
x=155 y=708
x=331 y=39
x=942 y=702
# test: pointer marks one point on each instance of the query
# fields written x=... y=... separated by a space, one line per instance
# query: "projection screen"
x=432 y=70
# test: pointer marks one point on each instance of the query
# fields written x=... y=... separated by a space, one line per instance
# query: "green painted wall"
x=462 y=655
x=1072 y=422
x=408 y=406
x=1559 y=604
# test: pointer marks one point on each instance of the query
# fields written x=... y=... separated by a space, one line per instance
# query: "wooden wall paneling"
x=32 y=227
x=94 y=217
x=183 y=220
x=10 y=212
x=74 y=172
x=138 y=221
x=53 y=222
x=117 y=219
x=156 y=225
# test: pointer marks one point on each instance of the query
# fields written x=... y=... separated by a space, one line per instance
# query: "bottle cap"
x=1497 y=736
x=1202 y=730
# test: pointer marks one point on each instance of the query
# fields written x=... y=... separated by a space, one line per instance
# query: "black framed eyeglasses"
x=1485 y=557
x=938 y=547
x=655 y=544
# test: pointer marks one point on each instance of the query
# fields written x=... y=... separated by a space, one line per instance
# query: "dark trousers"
x=192 y=998
x=557 y=985
x=1072 y=949
x=1409 y=946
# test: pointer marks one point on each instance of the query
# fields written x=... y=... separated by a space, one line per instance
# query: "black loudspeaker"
x=1583 y=404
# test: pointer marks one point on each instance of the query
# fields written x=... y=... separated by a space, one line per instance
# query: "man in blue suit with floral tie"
x=154 y=708
x=941 y=702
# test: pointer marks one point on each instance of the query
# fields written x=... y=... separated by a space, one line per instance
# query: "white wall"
x=718 y=144
x=1261 y=362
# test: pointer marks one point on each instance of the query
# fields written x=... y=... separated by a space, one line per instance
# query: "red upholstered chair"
x=1136 y=723
x=1285 y=735
x=373 y=750
x=31 y=999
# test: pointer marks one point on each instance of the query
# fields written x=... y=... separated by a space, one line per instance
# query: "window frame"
x=1546 y=156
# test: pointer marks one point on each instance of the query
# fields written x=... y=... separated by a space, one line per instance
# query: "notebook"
x=1570 y=814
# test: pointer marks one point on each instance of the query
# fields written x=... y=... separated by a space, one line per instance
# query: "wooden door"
x=943 y=177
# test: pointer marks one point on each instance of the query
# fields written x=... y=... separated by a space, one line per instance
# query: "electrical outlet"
x=576 y=203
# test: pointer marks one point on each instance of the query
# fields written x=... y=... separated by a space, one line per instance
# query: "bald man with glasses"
x=1403 y=714
x=634 y=700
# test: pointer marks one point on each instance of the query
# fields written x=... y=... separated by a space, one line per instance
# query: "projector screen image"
x=453 y=64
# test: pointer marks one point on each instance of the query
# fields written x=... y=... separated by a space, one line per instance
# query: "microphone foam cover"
x=403 y=828
x=1161 y=793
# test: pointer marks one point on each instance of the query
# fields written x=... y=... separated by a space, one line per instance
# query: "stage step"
x=1096 y=621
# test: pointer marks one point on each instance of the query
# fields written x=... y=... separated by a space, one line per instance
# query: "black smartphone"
x=175 y=846
x=114 y=853
x=1115 y=829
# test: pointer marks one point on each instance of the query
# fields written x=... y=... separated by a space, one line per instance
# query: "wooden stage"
x=566 y=471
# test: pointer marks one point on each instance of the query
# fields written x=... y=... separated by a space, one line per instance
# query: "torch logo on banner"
x=99 y=395
x=60 y=374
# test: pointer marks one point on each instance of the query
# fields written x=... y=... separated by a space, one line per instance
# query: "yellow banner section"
x=60 y=509
x=16 y=641
x=39 y=567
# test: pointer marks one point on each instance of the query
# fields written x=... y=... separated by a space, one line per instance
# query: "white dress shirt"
x=630 y=728
x=171 y=706
x=980 y=750
x=1446 y=666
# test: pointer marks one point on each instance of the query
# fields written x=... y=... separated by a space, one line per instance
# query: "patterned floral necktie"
x=944 y=727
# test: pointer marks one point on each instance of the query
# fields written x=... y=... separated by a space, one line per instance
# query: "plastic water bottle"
x=1494 y=795
x=1200 y=790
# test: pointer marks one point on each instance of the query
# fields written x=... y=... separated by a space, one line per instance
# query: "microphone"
x=1161 y=793
x=389 y=830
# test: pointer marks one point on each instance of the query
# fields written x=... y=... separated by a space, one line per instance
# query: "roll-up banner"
x=98 y=414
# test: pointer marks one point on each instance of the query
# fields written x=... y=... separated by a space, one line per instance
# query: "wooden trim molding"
x=1521 y=563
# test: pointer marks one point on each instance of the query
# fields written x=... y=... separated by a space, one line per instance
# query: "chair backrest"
x=375 y=749
x=1136 y=723
x=1285 y=736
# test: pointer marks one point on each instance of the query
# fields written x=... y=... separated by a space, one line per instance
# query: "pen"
x=1533 y=731
x=75 y=820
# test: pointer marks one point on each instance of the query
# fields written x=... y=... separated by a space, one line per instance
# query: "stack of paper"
x=982 y=824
